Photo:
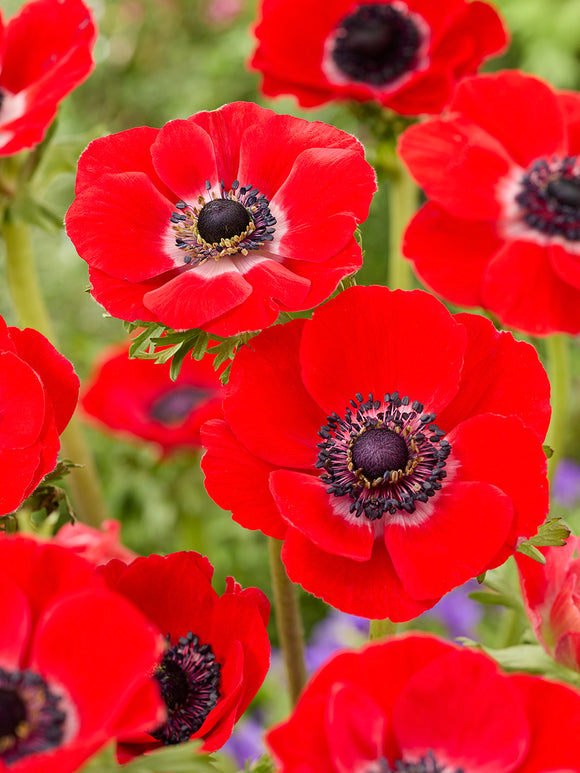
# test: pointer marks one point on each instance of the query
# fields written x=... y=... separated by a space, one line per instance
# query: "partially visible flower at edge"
x=95 y=545
x=46 y=53
x=405 y=56
x=137 y=398
x=241 y=214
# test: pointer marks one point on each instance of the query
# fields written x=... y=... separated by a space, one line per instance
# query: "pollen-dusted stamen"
x=385 y=455
x=174 y=406
x=549 y=197
x=376 y=44
x=426 y=764
x=237 y=221
x=189 y=678
x=30 y=718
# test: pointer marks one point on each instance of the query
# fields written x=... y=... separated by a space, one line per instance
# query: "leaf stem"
x=402 y=206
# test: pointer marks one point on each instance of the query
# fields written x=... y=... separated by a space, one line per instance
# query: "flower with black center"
x=38 y=395
x=501 y=229
x=138 y=399
x=75 y=661
x=45 y=54
x=417 y=704
x=394 y=447
x=217 y=652
x=220 y=221
x=405 y=55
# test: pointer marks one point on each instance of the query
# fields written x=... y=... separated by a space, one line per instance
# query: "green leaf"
x=527 y=549
x=182 y=758
x=553 y=532
x=548 y=450
x=530 y=658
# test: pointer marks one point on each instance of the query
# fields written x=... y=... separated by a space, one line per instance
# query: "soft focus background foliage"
x=163 y=59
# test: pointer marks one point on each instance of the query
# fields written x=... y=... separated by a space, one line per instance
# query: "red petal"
x=304 y=503
x=57 y=373
x=22 y=399
x=464 y=526
x=569 y=102
x=124 y=299
x=565 y=264
x=500 y=375
x=15 y=624
x=266 y=403
x=450 y=253
x=457 y=164
x=184 y=158
x=199 y=296
x=519 y=110
x=109 y=238
x=427 y=92
x=238 y=481
x=481 y=728
x=366 y=588
x=521 y=287
x=369 y=339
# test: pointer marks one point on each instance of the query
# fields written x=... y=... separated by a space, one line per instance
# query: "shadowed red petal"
x=356 y=727
x=466 y=526
x=354 y=344
x=304 y=503
x=15 y=624
x=238 y=481
x=23 y=403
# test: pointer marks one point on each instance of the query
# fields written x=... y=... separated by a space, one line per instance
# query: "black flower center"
x=385 y=455
x=549 y=197
x=30 y=718
x=426 y=764
x=376 y=44
x=237 y=221
x=175 y=406
x=189 y=679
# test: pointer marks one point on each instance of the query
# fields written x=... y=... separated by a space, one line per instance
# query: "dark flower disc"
x=175 y=406
x=549 y=197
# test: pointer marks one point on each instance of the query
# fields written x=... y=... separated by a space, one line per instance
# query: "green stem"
x=402 y=206
x=288 y=621
x=27 y=298
x=559 y=372
x=382 y=628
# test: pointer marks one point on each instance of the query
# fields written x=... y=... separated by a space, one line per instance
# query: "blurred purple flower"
x=245 y=743
x=336 y=631
x=458 y=613
x=566 y=483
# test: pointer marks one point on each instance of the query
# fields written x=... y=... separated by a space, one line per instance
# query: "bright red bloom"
x=75 y=660
x=502 y=227
x=95 y=545
x=421 y=705
x=138 y=398
x=405 y=55
x=222 y=220
x=38 y=394
x=45 y=54
x=551 y=594
x=218 y=648
x=374 y=440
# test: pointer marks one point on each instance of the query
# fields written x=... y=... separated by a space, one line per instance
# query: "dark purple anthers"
x=189 y=679
x=376 y=44
x=385 y=455
x=30 y=718
x=426 y=764
x=237 y=221
x=549 y=197
x=174 y=406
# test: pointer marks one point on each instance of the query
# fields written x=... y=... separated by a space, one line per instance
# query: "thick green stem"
x=288 y=621
x=402 y=206
x=24 y=288
x=559 y=372
x=382 y=628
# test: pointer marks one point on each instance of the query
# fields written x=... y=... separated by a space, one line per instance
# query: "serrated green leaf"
x=553 y=532
x=527 y=549
x=225 y=375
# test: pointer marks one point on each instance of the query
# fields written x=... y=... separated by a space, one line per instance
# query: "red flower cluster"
x=551 y=594
x=45 y=54
x=38 y=394
x=222 y=220
x=502 y=227
x=405 y=55
x=75 y=661
x=138 y=398
x=374 y=440
x=218 y=649
x=420 y=705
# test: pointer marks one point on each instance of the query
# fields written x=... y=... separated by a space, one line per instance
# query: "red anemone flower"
x=551 y=594
x=421 y=705
x=45 y=54
x=38 y=394
x=138 y=398
x=405 y=55
x=218 y=649
x=501 y=229
x=241 y=214
x=373 y=439
x=75 y=660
